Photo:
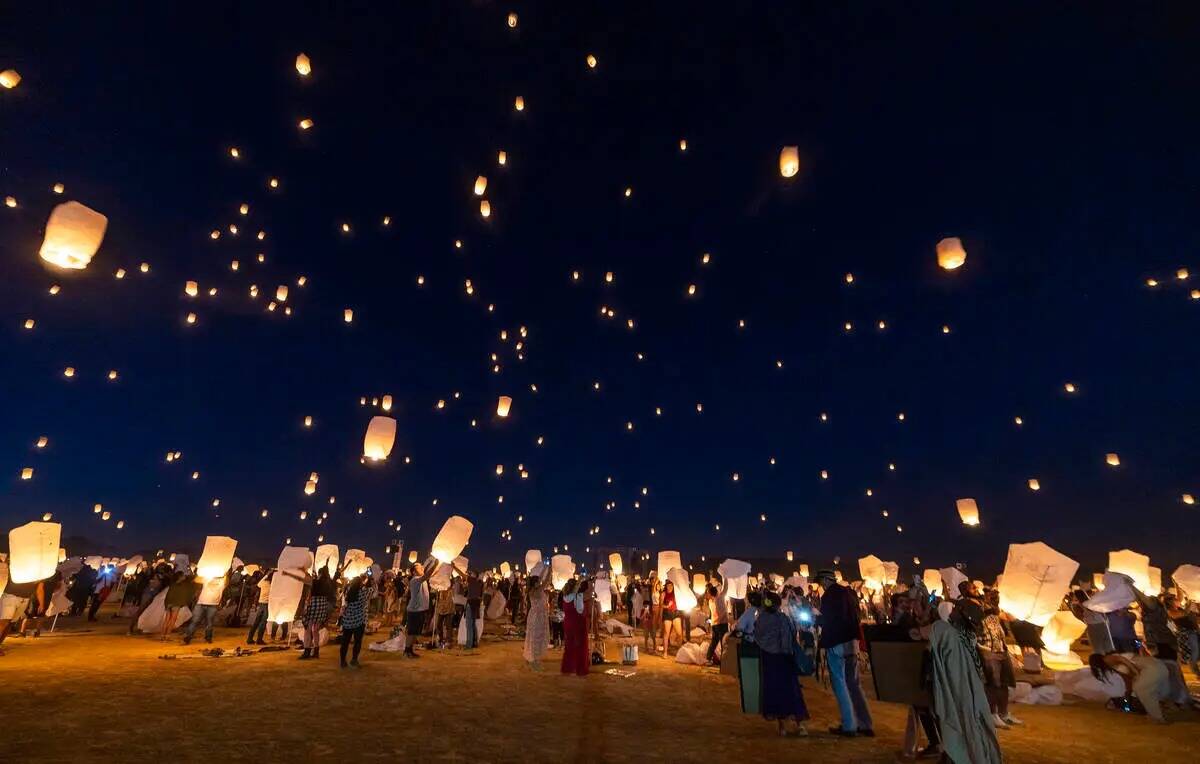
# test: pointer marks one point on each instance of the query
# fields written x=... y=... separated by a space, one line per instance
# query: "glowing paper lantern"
x=1187 y=578
x=1155 y=581
x=216 y=557
x=191 y=289
x=615 y=563
x=27 y=473
x=356 y=563
x=452 y=538
x=327 y=557
x=502 y=158
x=667 y=560
x=512 y=21
x=1060 y=631
x=480 y=185
x=736 y=574
x=789 y=161
x=380 y=437
x=281 y=293
x=505 y=569
x=699 y=583
x=1036 y=578
x=933 y=581
x=348 y=315
x=503 y=405
x=804 y=569
x=1112 y=460
x=285 y=594
x=310 y=487
x=1134 y=565
x=485 y=208
x=303 y=65
x=306 y=123
x=9 y=79
x=876 y=573
x=73 y=234
x=968 y=511
x=950 y=253
x=685 y=600
x=519 y=103
x=951 y=578
x=33 y=551
x=562 y=570
x=532 y=558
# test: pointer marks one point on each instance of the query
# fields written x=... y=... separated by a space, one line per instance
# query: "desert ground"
x=88 y=692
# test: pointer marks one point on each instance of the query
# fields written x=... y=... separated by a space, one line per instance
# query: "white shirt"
x=264 y=590
x=211 y=593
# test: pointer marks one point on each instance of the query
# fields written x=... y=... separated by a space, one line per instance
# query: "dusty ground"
x=87 y=692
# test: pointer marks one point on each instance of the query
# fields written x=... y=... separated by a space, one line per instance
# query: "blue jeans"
x=259 y=627
x=842 y=661
x=205 y=614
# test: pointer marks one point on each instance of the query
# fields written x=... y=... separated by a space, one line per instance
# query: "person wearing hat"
x=840 y=632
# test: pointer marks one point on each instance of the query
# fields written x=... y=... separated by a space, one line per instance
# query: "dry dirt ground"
x=89 y=693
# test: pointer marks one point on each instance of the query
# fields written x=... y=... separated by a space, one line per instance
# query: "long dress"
x=537 y=626
x=782 y=697
x=575 y=658
x=959 y=701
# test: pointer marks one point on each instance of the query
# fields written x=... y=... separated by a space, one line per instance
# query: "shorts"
x=670 y=615
x=12 y=606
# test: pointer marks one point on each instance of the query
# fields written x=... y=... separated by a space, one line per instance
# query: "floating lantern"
x=1036 y=578
x=480 y=185
x=281 y=293
x=380 y=437
x=591 y=61
x=519 y=103
x=789 y=555
x=615 y=563
x=789 y=161
x=1134 y=565
x=699 y=584
x=933 y=581
x=503 y=405
x=683 y=144
x=310 y=487
x=33 y=551
x=69 y=372
x=950 y=253
x=452 y=538
x=27 y=473
x=562 y=570
x=308 y=421
x=512 y=21
x=42 y=441
x=1112 y=460
x=1060 y=631
x=502 y=158
x=1034 y=485
x=666 y=560
x=303 y=65
x=1187 y=498
x=191 y=289
x=348 y=315
x=485 y=208
x=191 y=318
x=286 y=592
x=306 y=123
x=73 y=234
x=9 y=79
x=216 y=557
x=968 y=511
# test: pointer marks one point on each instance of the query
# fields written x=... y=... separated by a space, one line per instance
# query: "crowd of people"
x=782 y=630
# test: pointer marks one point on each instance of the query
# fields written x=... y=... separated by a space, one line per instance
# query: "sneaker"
x=306 y=655
x=1011 y=720
x=1000 y=725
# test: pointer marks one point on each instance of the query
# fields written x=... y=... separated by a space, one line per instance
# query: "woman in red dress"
x=575 y=658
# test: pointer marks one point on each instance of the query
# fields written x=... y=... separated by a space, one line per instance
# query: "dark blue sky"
x=1057 y=140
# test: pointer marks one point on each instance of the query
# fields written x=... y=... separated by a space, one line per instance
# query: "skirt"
x=782 y=697
x=317 y=611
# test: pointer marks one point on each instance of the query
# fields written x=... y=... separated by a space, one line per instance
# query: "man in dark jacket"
x=839 y=639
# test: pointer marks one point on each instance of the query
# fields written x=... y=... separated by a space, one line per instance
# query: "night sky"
x=1057 y=140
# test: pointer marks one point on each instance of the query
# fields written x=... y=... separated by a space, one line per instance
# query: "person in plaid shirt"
x=354 y=615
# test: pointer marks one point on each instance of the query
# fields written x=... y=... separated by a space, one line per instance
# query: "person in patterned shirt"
x=354 y=615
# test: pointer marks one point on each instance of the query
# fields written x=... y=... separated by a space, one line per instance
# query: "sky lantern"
x=591 y=61
x=512 y=21
x=1036 y=578
x=191 y=289
x=216 y=557
x=281 y=293
x=1060 y=631
x=666 y=560
x=310 y=487
x=1134 y=565
x=1112 y=460
x=303 y=65
x=73 y=234
x=699 y=584
x=615 y=563
x=1034 y=485
x=519 y=103
x=789 y=161
x=502 y=158
x=562 y=570
x=191 y=318
x=380 y=437
x=306 y=124
x=480 y=185
x=27 y=473
x=485 y=208
x=932 y=580
x=683 y=144
x=950 y=253
x=9 y=79
x=503 y=405
x=286 y=592
x=452 y=538
x=308 y=420
x=33 y=551
x=968 y=511
x=42 y=441
x=348 y=315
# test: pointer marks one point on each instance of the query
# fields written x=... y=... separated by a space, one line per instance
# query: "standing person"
x=959 y=700
x=39 y=601
x=575 y=601
x=997 y=667
x=474 y=592
x=782 y=697
x=840 y=631
x=81 y=588
x=418 y=606
x=179 y=595
x=670 y=617
x=1187 y=633
x=537 y=621
x=719 y=607
x=354 y=616
x=258 y=627
x=320 y=603
x=206 y=609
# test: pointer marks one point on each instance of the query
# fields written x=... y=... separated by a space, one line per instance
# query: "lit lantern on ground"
x=286 y=592
x=480 y=185
x=685 y=600
x=699 y=583
x=1060 y=631
x=33 y=551
x=380 y=437
x=789 y=161
x=950 y=253
x=1036 y=578
x=532 y=558
x=303 y=65
x=452 y=538
x=503 y=405
x=615 y=563
x=216 y=557
x=876 y=573
x=9 y=79
x=666 y=560
x=1134 y=565
x=73 y=234
x=562 y=570
x=1112 y=460
x=968 y=511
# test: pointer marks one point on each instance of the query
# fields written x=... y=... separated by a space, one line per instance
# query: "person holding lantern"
x=575 y=599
